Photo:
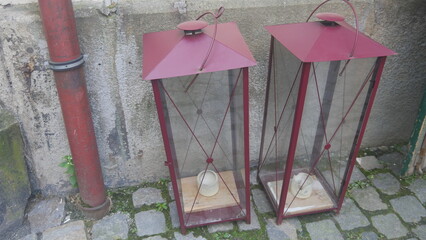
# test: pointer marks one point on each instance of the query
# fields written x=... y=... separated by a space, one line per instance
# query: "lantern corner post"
x=246 y=142
x=66 y=61
x=375 y=80
x=300 y=102
x=159 y=99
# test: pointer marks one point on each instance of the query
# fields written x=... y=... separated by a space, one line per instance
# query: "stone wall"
x=129 y=140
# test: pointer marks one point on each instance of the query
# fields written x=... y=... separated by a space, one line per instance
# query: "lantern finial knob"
x=330 y=17
x=192 y=27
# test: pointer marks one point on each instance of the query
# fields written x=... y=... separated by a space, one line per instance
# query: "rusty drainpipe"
x=66 y=61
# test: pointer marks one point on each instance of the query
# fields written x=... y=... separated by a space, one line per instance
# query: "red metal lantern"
x=199 y=75
x=322 y=80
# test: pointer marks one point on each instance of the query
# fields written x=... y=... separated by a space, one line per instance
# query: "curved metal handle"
x=216 y=15
x=356 y=22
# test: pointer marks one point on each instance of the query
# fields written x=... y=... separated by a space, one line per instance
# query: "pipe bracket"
x=68 y=65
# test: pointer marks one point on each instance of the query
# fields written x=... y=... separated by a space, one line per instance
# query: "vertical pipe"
x=304 y=78
x=67 y=64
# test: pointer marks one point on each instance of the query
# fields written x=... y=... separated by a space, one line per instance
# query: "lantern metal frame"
x=355 y=46
x=217 y=48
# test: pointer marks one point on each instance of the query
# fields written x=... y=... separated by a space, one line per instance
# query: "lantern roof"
x=173 y=54
x=318 y=42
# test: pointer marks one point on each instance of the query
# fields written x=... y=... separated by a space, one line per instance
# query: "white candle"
x=210 y=183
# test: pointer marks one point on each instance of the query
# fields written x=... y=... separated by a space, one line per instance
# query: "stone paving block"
x=170 y=189
x=189 y=236
x=261 y=200
x=156 y=238
x=350 y=217
x=369 y=162
x=115 y=226
x=70 y=231
x=368 y=199
x=386 y=183
x=46 y=214
x=253 y=177
x=393 y=161
x=150 y=222
x=322 y=230
x=174 y=215
x=280 y=232
x=418 y=187
x=409 y=208
x=369 y=236
x=32 y=236
x=420 y=231
x=389 y=225
x=357 y=175
x=254 y=221
x=146 y=196
x=220 y=227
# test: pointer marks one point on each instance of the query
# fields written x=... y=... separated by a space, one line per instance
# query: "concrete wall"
x=127 y=130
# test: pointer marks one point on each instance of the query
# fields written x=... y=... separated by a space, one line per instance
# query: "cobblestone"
x=389 y=225
x=368 y=199
x=280 y=232
x=418 y=187
x=70 y=231
x=150 y=222
x=322 y=230
x=254 y=223
x=146 y=196
x=46 y=214
x=369 y=162
x=420 y=231
x=409 y=208
x=350 y=217
x=386 y=183
x=220 y=227
x=262 y=202
x=115 y=226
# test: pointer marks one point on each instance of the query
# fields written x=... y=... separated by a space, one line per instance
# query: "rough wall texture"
x=125 y=119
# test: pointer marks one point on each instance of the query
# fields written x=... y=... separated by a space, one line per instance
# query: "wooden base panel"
x=222 y=199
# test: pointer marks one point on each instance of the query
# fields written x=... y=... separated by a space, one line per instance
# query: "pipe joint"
x=68 y=65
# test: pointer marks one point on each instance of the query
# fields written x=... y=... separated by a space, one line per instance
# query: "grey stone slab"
x=46 y=214
x=150 y=222
x=386 y=183
x=409 y=208
x=254 y=221
x=115 y=226
x=189 y=236
x=389 y=225
x=146 y=196
x=220 y=227
x=369 y=236
x=285 y=230
x=174 y=216
x=32 y=236
x=368 y=199
x=170 y=189
x=369 y=162
x=350 y=217
x=253 y=177
x=420 y=231
x=322 y=230
x=70 y=231
x=262 y=202
x=393 y=161
x=418 y=187
x=357 y=175
x=155 y=238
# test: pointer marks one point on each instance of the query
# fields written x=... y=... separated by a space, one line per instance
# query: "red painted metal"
x=183 y=55
x=332 y=17
x=172 y=54
x=246 y=140
x=294 y=136
x=192 y=25
x=61 y=34
x=378 y=74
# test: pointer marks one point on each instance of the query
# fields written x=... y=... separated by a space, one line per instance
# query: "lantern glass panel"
x=283 y=87
x=335 y=101
x=205 y=124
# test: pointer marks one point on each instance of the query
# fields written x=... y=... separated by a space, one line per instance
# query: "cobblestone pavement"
x=379 y=205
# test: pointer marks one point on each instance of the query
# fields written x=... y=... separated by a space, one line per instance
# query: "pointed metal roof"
x=172 y=53
x=316 y=42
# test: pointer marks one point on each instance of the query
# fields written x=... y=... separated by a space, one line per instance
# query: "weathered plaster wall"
x=124 y=114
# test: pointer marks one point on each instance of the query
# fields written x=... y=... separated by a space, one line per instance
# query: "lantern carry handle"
x=216 y=15
x=356 y=22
